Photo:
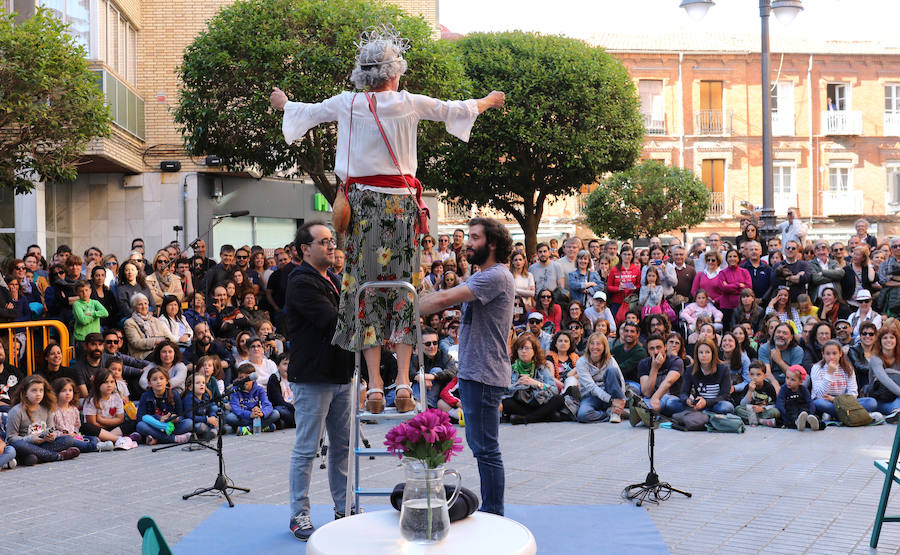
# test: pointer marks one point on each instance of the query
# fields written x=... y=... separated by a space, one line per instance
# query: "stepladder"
x=891 y=475
x=358 y=453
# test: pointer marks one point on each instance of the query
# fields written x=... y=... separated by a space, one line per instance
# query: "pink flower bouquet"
x=429 y=437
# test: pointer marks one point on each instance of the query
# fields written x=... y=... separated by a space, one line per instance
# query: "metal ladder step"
x=373 y=452
x=372 y=492
x=390 y=413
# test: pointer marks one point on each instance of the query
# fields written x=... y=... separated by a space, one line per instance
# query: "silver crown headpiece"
x=382 y=36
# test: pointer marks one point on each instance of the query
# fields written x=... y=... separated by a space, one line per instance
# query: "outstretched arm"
x=495 y=99
x=278 y=99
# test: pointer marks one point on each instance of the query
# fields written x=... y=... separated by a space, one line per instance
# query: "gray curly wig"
x=379 y=58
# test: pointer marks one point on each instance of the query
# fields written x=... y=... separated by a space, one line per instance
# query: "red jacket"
x=618 y=278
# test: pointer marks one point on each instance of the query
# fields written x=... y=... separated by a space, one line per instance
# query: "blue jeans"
x=668 y=405
x=45 y=452
x=592 y=409
x=87 y=444
x=633 y=386
x=433 y=393
x=722 y=407
x=318 y=407
x=823 y=406
x=481 y=408
x=235 y=421
x=8 y=454
x=887 y=407
x=183 y=426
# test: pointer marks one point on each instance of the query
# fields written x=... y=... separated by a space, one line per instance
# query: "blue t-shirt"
x=485 y=326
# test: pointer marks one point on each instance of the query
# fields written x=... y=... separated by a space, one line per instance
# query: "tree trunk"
x=532 y=221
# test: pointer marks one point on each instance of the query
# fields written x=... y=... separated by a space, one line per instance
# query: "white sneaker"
x=801 y=421
x=893 y=417
x=615 y=418
x=105 y=446
x=11 y=464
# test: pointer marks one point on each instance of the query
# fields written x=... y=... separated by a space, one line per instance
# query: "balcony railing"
x=125 y=107
x=712 y=122
x=716 y=203
x=841 y=122
x=892 y=124
x=782 y=124
x=836 y=203
x=653 y=125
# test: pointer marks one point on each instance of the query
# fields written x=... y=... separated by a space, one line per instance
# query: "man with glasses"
x=611 y=248
x=207 y=263
x=440 y=368
x=885 y=273
x=824 y=271
x=535 y=326
x=132 y=368
x=862 y=232
x=864 y=313
x=319 y=374
x=546 y=273
x=843 y=332
x=579 y=341
x=839 y=253
x=793 y=271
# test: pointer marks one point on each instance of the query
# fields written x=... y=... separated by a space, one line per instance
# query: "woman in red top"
x=624 y=279
x=549 y=309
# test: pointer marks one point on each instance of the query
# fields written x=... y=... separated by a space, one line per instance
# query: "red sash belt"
x=389 y=182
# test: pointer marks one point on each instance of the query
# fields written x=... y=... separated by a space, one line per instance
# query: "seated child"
x=160 y=406
x=248 y=402
x=794 y=403
x=211 y=367
x=197 y=406
x=805 y=308
x=67 y=418
x=105 y=414
x=280 y=394
x=30 y=427
x=758 y=404
x=7 y=452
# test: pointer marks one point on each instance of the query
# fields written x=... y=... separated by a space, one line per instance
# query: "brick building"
x=835 y=122
x=135 y=47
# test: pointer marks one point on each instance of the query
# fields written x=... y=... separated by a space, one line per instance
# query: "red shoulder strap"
x=387 y=143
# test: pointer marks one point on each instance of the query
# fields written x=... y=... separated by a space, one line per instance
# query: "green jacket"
x=87 y=317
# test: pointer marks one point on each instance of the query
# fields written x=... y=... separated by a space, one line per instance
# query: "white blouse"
x=399 y=113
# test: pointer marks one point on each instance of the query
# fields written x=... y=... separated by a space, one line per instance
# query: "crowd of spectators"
x=771 y=331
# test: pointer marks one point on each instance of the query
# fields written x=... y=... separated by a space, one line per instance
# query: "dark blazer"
x=311 y=306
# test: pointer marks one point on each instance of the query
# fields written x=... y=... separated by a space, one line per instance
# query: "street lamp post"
x=785 y=11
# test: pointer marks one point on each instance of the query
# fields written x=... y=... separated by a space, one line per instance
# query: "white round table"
x=379 y=532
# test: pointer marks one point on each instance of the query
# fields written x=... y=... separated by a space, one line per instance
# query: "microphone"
x=637 y=400
x=235 y=214
x=242 y=381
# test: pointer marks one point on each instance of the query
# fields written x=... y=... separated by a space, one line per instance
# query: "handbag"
x=423 y=213
x=532 y=397
x=725 y=423
x=340 y=211
x=881 y=393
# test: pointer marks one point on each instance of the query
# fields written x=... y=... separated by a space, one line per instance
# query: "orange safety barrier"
x=29 y=329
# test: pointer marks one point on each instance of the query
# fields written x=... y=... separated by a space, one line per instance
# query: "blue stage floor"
x=558 y=529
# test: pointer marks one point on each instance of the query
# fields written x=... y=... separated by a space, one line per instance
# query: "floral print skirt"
x=381 y=246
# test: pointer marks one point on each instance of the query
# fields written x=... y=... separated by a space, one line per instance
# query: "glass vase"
x=424 y=513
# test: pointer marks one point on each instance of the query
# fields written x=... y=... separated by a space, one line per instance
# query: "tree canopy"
x=646 y=200
x=50 y=104
x=305 y=48
x=571 y=115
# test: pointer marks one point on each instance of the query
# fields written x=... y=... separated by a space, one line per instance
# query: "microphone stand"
x=651 y=489
x=223 y=483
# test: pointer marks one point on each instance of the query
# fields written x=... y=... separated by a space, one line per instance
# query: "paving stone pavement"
x=772 y=491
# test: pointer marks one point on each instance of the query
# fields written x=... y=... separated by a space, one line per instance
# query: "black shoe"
x=301 y=527
x=28 y=459
x=516 y=419
x=339 y=515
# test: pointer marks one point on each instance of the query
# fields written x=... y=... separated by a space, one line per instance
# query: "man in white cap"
x=865 y=312
x=599 y=311
x=535 y=323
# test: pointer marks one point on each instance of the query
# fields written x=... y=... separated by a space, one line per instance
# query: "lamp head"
x=786 y=10
x=696 y=9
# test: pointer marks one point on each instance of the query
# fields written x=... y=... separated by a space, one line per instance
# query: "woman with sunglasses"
x=163 y=280
x=860 y=353
x=549 y=309
x=864 y=313
x=58 y=293
x=111 y=264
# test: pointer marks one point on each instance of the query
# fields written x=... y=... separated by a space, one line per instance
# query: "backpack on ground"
x=850 y=412
x=689 y=421
x=725 y=423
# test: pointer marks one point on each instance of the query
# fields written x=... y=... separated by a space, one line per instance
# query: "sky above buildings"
x=834 y=19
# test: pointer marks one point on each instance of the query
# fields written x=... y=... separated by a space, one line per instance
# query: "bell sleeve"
x=300 y=117
x=458 y=115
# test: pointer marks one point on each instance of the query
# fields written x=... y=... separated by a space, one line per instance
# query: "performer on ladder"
x=382 y=242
